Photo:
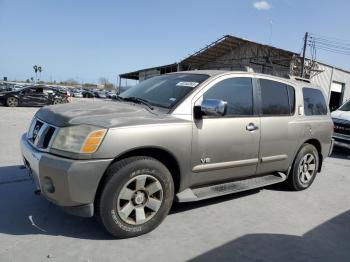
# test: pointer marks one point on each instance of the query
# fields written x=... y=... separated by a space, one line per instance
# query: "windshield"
x=345 y=107
x=165 y=91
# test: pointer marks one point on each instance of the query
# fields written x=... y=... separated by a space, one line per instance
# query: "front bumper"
x=2 y=100
x=68 y=183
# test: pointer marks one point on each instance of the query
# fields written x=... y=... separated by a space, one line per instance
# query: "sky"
x=86 y=40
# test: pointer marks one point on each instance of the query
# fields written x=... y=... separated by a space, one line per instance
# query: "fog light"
x=47 y=185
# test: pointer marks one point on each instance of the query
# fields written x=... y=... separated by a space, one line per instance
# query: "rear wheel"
x=12 y=101
x=304 y=168
x=57 y=101
x=137 y=195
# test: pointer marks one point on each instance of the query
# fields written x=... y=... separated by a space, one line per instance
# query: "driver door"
x=224 y=147
x=35 y=97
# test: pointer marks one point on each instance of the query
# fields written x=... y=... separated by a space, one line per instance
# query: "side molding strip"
x=273 y=158
x=223 y=165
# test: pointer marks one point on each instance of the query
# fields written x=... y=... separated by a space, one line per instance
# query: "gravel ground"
x=270 y=224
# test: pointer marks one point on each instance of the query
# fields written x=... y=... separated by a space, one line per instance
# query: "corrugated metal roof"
x=213 y=51
x=224 y=45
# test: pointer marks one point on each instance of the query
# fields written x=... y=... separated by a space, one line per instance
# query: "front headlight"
x=79 y=139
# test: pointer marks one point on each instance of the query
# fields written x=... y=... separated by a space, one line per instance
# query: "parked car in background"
x=341 y=120
x=77 y=93
x=88 y=94
x=185 y=136
x=6 y=87
x=17 y=88
x=32 y=96
x=111 y=94
x=100 y=94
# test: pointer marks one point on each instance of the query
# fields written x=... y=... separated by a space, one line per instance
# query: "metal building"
x=233 y=53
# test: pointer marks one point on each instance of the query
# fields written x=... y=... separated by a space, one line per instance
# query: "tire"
x=12 y=101
x=304 y=168
x=57 y=101
x=132 y=185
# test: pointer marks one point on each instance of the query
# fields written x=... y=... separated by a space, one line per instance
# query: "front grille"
x=341 y=126
x=41 y=134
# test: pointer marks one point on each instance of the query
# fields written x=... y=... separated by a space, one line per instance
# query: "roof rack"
x=298 y=78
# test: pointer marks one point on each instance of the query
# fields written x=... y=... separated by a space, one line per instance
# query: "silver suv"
x=185 y=136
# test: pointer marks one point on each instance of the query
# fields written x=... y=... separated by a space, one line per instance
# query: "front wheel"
x=304 y=168
x=12 y=101
x=137 y=195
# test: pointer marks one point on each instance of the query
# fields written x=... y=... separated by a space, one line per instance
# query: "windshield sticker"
x=190 y=84
x=172 y=99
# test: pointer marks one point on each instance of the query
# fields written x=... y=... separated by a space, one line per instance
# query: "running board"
x=201 y=193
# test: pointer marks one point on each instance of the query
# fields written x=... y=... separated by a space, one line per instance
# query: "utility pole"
x=304 y=51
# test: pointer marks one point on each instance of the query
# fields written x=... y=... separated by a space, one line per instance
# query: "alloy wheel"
x=12 y=101
x=307 y=168
x=140 y=199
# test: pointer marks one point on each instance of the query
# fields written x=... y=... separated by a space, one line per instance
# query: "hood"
x=344 y=115
x=105 y=114
x=7 y=92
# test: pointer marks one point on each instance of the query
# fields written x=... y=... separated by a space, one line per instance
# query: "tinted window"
x=39 y=90
x=237 y=92
x=167 y=90
x=30 y=90
x=275 y=98
x=314 y=102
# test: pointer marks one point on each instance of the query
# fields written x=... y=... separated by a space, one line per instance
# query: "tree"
x=71 y=81
x=89 y=86
x=106 y=84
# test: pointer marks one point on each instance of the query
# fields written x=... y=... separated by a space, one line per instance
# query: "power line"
x=330 y=38
x=329 y=44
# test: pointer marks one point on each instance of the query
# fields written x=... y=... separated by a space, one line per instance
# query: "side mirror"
x=211 y=107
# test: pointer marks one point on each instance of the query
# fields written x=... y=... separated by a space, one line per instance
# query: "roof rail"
x=298 y=78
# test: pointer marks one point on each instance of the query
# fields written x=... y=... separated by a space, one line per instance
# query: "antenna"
x=270 y=36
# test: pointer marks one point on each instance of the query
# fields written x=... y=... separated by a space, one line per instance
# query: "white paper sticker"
x=190 y=84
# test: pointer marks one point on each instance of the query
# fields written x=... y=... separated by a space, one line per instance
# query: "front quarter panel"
x=175 y=138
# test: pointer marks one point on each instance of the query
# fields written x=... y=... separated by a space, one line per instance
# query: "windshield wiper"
x=136 y=100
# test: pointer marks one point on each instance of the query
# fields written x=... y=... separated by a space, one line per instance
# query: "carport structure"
x=227 y=53
x=234 y=53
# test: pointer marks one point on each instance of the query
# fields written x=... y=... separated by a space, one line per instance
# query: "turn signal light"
x=92 y=141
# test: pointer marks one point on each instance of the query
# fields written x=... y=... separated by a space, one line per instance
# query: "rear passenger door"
x=278 y=132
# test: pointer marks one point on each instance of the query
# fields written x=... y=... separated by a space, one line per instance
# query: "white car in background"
x=77 y=93
x=341 y=120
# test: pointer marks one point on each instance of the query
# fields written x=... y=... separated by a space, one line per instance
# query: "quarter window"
x=237 y=92
x=276 y=98
x=314 y=102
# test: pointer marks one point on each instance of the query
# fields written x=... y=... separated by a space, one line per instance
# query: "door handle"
x=251 y=127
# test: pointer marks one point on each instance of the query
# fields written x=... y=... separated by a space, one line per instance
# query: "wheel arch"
x=317 y=144
x=160 y=154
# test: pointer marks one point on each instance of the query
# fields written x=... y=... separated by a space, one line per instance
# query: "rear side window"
x=314 y=102
x=237 y=92
x=276 y=98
